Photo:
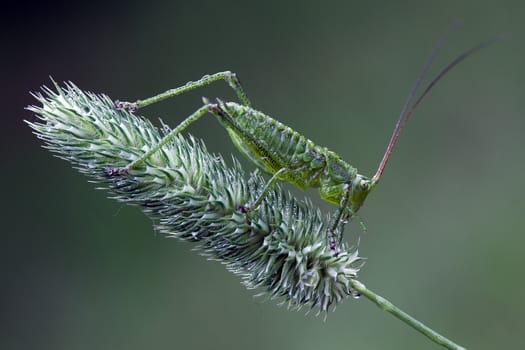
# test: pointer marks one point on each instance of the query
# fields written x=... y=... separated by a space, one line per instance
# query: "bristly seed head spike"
x=193 y=195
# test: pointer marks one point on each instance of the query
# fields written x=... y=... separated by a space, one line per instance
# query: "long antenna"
x=404 y=116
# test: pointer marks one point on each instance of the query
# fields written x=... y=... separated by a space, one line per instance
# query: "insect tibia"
x=227 y=76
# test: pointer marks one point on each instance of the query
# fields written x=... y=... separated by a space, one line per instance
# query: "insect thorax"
x=339 y=178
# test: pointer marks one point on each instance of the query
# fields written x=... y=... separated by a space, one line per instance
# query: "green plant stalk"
x=387 y=306
x=281 y=248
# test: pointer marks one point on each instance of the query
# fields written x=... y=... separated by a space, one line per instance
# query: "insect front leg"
x=229 y=77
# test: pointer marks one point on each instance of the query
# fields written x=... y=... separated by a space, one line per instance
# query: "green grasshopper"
x=284 y=153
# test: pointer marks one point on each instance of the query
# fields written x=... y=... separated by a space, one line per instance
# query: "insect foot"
x=243 y=209
x=127 y=106
x=333 y=246
x=111 y=171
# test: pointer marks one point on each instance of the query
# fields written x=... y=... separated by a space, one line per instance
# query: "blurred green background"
x=445 y=227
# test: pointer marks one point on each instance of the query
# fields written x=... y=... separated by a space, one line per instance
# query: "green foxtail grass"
x=280 y=248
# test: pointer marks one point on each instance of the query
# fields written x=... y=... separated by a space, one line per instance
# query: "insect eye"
x=365 y=185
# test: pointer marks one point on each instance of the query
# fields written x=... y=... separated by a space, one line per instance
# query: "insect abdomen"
x=279 y=147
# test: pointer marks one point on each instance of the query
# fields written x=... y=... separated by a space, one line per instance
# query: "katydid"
x=286 y=154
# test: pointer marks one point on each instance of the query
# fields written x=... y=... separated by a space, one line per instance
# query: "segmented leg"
x=229 y=77
x=227 y=119
x=213 y=108
x=183 y=125
x=340 y=220
x=266 y=189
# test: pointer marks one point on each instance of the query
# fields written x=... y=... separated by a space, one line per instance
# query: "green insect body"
x=305 y=164
x=284 y=153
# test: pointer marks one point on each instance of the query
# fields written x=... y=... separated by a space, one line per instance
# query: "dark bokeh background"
x=446 y=235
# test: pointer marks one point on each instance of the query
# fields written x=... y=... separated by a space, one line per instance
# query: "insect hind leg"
x=229 y=77
x=167 y=138
x=221 y=112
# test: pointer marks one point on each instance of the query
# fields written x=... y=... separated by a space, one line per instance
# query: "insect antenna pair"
x=288 y=155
